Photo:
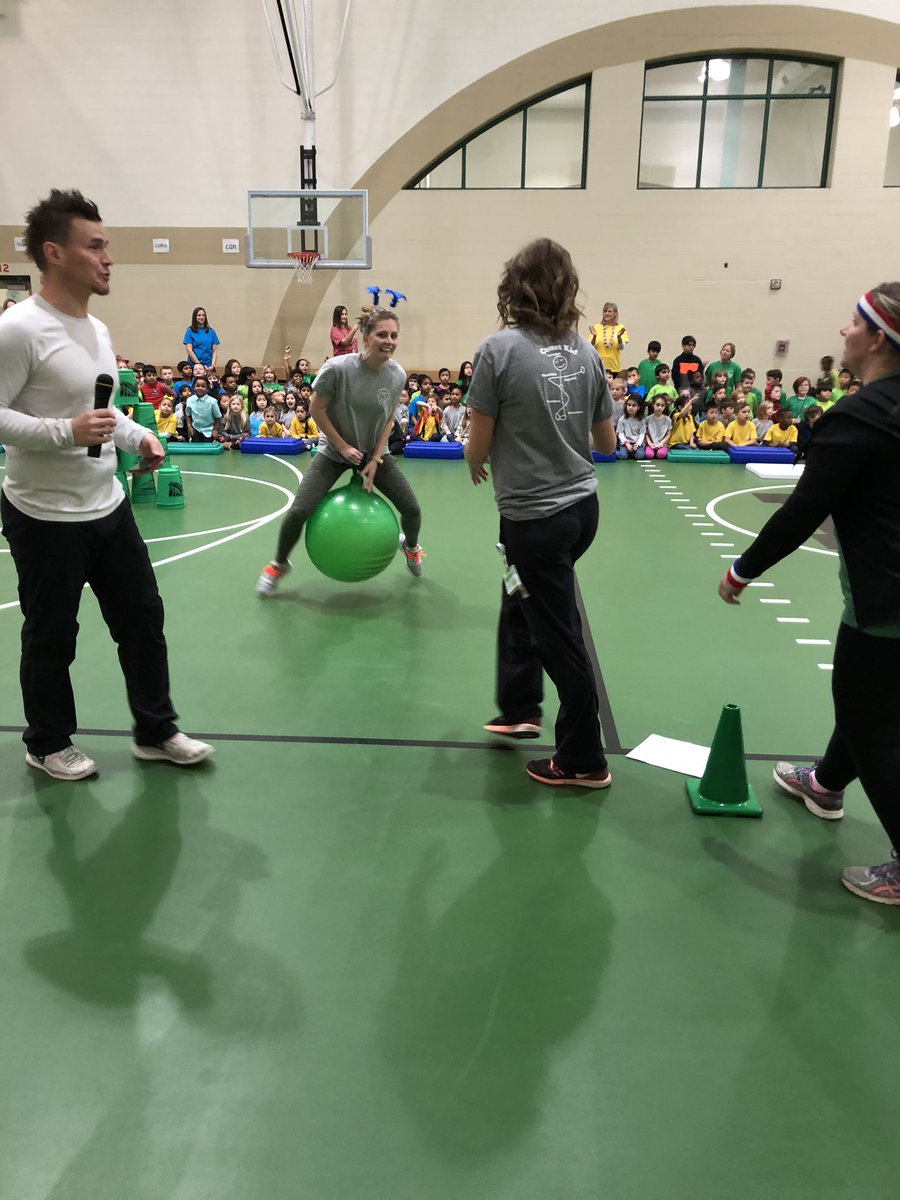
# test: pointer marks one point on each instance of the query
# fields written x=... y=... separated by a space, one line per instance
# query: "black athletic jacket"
x=852 y=474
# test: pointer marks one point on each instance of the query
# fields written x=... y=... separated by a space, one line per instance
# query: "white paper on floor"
x=775 y=470
x=684 y=757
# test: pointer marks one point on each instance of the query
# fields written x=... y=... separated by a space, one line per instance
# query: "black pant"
x=865 y=744
x=54 y=560
x=544 y=632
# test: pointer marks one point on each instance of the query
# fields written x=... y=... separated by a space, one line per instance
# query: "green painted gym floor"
x=361 y=955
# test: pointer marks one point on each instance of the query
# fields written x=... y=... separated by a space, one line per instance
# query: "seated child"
x=271 y=427
x=825 y=396
x=801 y=399
x=711 y=431
x=287 y=411
x=453 y=415
x=166 y=421
x=152 y=389
x=683 y=424
x=631 y=430
x=303 y=426
x=633 y=385
x=784 y=433
x=442 y=387
x=659 y=428
x=741 y=431
x=762 y=419
x=844 y=379
x=752 y=394
x=807 y=425
x=773 y=376
x=428 y=426
x=618 y=390
x=258 y=415
x=727 y=409
x=663 y=385
x=235 y=425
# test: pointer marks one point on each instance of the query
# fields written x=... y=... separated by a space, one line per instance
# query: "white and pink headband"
x=876 y=318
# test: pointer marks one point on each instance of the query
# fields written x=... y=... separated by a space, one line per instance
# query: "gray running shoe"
x=413 y=557
x=270 y=578
x=829 y=806
x=880 y=884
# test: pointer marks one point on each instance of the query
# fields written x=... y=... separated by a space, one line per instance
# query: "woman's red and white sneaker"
x=413 y=557
x=270 y=578
x=546 y=770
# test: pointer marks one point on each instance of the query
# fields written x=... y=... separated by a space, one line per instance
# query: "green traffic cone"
x=724 y=790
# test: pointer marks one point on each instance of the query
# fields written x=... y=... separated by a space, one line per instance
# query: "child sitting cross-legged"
x=631 y=430
x=683 y=424
x=659 y=429
x=258 y=415
x=784 y=433
x=711 y=431
x=741 y=431
x=303 y=426
x=235 y=425
x=271 y=426
x=166 y=422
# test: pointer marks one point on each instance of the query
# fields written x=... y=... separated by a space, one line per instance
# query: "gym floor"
x=361 y=955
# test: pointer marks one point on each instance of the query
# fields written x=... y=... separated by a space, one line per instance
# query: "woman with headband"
x=853 y=475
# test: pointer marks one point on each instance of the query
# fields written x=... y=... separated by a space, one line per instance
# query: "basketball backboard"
x=335 y=224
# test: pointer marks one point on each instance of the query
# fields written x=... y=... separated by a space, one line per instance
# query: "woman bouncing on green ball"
x=353 y=406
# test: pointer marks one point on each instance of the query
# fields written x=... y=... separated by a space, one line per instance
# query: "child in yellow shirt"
x=270 y=426
x=741 y=431
x=784 y=433
x=166 y=423
x=683 y=424
x=711 y=432
x=303 y=426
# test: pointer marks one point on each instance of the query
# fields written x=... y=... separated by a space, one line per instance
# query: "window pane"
x=795 y=143
x=554 y=141
x=732 y=139
x=679 y=79
x=670 y=140
x=738 y=76
x=791 y=78
x=494 y=158
x=447 y=174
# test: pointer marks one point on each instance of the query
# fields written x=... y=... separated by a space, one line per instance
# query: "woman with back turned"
x=537 y=398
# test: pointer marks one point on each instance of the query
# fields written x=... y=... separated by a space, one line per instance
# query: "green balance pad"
x=698 y=456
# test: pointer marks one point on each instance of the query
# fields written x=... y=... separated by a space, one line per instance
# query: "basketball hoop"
x=304 y=261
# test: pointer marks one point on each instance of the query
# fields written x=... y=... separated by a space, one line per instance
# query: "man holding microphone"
x=64 y=514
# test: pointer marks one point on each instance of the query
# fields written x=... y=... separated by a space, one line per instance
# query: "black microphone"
x=102 y=392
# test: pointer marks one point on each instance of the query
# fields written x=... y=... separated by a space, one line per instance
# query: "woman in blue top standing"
x=200 y=341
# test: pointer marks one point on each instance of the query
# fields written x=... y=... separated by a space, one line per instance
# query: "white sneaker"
x=178 y=749
x=64 y=764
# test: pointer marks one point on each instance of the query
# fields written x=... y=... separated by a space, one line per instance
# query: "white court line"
x=705 y=534
x=792 y=620
x=767 y=600
x=731 y=544
x=825 y=666
x=726 y=556
x=775 y=487
x=812 y=641
x=755 y=584
x=705 y=524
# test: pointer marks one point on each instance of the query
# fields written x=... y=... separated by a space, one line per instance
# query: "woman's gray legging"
x=321 y=477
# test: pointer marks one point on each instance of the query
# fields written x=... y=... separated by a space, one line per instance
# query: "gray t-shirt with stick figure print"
x=544 y=393
x=360 y=400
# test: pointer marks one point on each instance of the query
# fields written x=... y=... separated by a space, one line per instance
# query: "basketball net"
x=304 y=261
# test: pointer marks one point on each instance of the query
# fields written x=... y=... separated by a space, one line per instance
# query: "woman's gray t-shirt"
x=360 y=400
x=545 y=394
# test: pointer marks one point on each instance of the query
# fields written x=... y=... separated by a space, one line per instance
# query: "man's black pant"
x=865 y=744
x=54 y=560
x=543 y=632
